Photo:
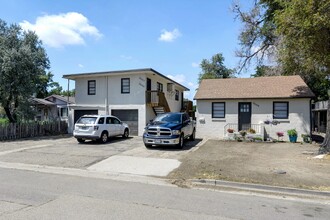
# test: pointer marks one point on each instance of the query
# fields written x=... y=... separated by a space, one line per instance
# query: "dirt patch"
x=278 y=164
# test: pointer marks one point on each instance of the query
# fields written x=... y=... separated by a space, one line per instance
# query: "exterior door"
x=148 y=84
x=244 y=115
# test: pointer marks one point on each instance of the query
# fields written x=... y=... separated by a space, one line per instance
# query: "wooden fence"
x=32 y=129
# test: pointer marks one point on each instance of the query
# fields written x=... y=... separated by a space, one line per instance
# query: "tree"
x=257 y=39
x=23 y=64
x=214 y=68
x=299 y=32
x=304 y=26
x=46 y=83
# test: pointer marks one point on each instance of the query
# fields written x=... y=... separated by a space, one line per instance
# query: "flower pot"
x=293 y=139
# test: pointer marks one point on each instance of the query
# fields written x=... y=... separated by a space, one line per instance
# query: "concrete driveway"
x=118 y=156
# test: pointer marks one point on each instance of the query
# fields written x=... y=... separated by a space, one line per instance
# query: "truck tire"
x=80 y=140
x=192 y=136
x=181 y=142
x=147 y=145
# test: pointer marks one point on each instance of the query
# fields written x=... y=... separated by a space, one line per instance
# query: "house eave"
x=262 y=98
x=120 y=72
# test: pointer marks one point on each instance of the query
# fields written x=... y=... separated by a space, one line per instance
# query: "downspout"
x=67 y=105
x=107 y=97
x=311 y=118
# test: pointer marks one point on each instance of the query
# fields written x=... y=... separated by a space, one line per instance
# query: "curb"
x=260 y=187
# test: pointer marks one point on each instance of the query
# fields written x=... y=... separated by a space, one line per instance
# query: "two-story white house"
x=135 y=96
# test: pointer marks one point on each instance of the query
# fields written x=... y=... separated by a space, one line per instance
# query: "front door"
x=244 y=115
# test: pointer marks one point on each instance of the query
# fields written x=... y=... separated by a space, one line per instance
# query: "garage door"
x=130 y=117
x=79 y=113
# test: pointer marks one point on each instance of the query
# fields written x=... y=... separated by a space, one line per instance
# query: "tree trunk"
x=9 y=115
x=325 y=146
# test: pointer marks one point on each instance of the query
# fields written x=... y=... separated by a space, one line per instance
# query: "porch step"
x=159 y=110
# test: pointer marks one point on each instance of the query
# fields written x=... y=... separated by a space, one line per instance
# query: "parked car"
x=169 y=129
x=99 y=127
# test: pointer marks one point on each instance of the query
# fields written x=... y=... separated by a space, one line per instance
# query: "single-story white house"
x=135 y=96
x=243 y=103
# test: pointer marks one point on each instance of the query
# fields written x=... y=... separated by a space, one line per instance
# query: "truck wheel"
x=80 y=140
x=181 y=142
x=147 y=145
x=192 y=136
x=104 y=137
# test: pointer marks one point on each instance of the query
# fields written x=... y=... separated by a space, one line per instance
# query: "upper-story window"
x=160 y=87
x=125 y=85
x=177 y=95
x=91 y=87
x=280 y=110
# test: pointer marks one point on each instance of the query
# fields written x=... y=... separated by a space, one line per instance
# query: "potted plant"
x=293 y=134
x=230 y=130
x=279 y=135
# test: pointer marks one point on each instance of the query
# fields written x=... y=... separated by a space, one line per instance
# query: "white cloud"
x=195 y=65
x=80 y=65
x=169 y=36
x=178 y=78
x=126 y=57
x=62 y=29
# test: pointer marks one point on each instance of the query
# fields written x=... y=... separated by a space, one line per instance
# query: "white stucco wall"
x=116 y=100
x=262 y=109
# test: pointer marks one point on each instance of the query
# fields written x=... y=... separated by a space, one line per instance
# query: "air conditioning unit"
x=170 y=87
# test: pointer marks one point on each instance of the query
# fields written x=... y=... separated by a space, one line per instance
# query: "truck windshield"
x=174 y=118
x=86 y=120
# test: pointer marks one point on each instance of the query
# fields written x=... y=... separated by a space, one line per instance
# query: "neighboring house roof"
x=121 y=72
x=62 y=98
x=257 y=88
x=41 y=101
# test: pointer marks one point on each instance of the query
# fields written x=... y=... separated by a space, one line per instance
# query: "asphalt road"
x=33 y=195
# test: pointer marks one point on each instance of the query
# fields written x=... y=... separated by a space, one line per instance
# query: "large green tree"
x=304 y=28
x=214 y=68
x=23 y=65
x=298 y=31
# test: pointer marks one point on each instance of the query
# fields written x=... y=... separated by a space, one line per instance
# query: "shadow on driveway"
x=187 y=146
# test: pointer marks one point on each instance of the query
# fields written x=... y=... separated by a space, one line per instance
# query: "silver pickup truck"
x=169 y=129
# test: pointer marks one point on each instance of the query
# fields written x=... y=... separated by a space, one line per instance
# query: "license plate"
x=83 y=128
x=157 y=141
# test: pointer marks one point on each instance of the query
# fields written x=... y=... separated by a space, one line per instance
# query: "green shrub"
x=292 y=132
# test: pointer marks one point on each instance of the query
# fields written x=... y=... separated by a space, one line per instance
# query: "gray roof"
x=41 y=101
x=63 y=98
x=132 y=71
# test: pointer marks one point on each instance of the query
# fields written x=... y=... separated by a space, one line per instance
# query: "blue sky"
x=170 y=36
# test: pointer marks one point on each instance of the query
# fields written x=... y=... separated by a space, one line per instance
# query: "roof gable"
x=256 y=88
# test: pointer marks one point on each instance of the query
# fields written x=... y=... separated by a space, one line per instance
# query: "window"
x=159 y=87
x=218 y=109
x=115 y=121
x=91 y=87
x=64 y=112
x=101 y=121
x=125 y=85
x=177 y=95
x=280 y=110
